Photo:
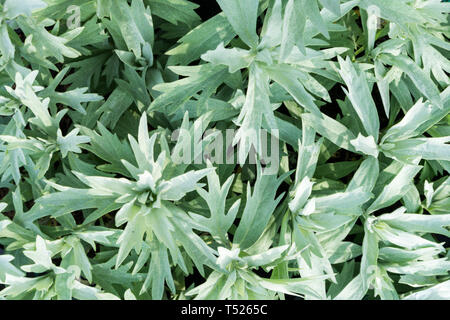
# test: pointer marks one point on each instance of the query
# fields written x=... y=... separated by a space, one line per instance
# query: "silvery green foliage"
x=94 y=204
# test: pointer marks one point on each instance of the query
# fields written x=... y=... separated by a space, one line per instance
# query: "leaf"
x=331 y=129
x=75 y=98
x=195 y=247
x=308 y=153
x=25 y=93
x=136 y=27
x=114 y=107
x=366 y=176
x=369 y=256
x=422 y=268
x=332 y=5
x=70 y=142
x=395 y=189
x=366 y=145
x=6 y=47
x=426 y=148
x=301 y=193
x=110 y=148
x=403 y=239
x=292 y=286
x=270 y=32
x=259 y=207
x=294 y=22
x=131 y=237
x=353 y=291
x=342 y=201
x=218 y=223
x=235 y=58
x=6 y=268
x=242 y=16
x=175 y=11
x=288 y=77
x=265 y=258
x=176 y=188
x=47 y=44
x=401 y=256
x=418 y=223
x=207 y=36
x=159 y=272
x=438 y=292
x=313 y=13
x=421 y=117
x=41 y=257
x=256 y=108
x=205 y=78
x=360 y=96
x=26 y=7
x=417 y=75
x=70 y=200
x=399 y=11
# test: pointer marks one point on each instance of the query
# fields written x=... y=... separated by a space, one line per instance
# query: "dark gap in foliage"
x=192 y=64
x=350 y=238
x=248 y=173
x=284 y=187
x=57 y=261
x=384 y=121
x=259 y=25
x=35 y=275
x=3 y=192
x=9 y=214
x=91 y=253
x=381 y=40
x=20 y=33
x=78 y=216
x=28 y=204
x=234 y=226
x=332 y=109
x=360 y=54
x=358 y=21
x=54 y=73
x=262 y=273
x=64 y=87
x=108 y=220
x=47 y=221
x=65 y=124
x=442 y=239
x=343 y=155
x=389 y=209
x=428 y=173
x=224 y=92
x=283 y=110
x=356 y=234
x=195 y=278
x=207 y=9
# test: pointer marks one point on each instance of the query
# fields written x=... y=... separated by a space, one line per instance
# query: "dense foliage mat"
x=244 y=149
